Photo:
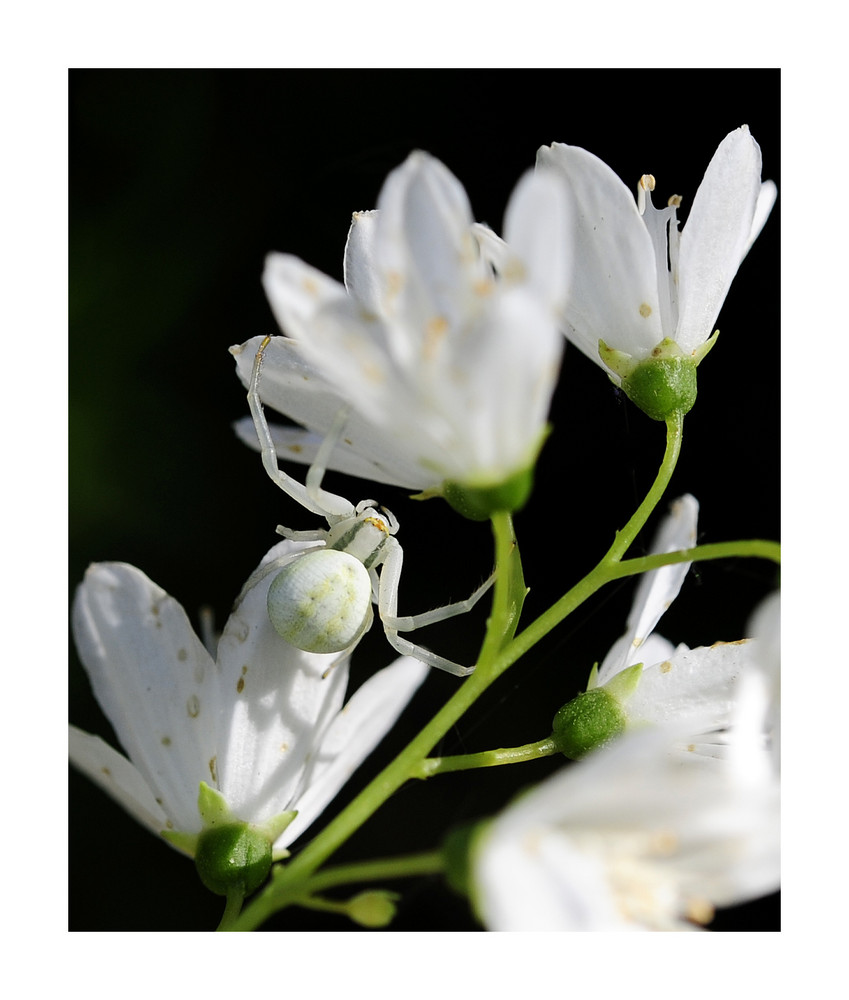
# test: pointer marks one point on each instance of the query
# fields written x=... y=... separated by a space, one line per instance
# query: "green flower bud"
x=588 y=722
x=373 y=908
x=234 y=857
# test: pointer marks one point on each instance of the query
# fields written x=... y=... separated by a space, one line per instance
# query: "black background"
x=180 y=182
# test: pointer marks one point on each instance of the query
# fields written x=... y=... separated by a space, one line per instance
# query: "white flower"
x=260 y=724
x=694 y=688
x=651 y=681
x=446 y=368
x=636 y=282
x=631 y=839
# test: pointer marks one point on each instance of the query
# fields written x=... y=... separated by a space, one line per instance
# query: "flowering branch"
x=496 y=656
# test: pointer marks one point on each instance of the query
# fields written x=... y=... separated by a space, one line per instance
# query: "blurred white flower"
x=762 y=690
x=446 y=367
x=631 y=838
x=636 y=282
x=260 y=724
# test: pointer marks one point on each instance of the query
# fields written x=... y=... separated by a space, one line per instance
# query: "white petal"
x=530 y=878
x=277 y=703
x=696 y=685
x=766 y=199
x=657 y=589
x=538 y=227
x=765 y=625
x=296 y=388
x=296 y=291
x=424 y=247
x=352 y=736
x=154 y=680
x=613 y=293
x=716 y=236
x=497 y=254
x=117 y=777
x=294 y=444
x=499 y=386
x=362 y=278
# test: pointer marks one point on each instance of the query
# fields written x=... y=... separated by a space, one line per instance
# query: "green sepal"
x=214 y=811
x=624 y=684
x=186 y=843
x=213 y=807
x=701 y=351
x=587 y=722
x=618 y=362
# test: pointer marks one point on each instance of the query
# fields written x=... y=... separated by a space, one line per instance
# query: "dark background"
x=180 y=182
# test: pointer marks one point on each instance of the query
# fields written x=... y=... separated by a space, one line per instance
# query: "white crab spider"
x=321 y=598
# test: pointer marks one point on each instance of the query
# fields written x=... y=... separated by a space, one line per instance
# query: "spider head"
x=365 y=533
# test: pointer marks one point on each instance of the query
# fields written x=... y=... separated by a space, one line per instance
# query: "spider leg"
x=407 y=623
x=317 y=500
x=390 y=575
x=426 y=656
x=315 y=473
x=315 y=535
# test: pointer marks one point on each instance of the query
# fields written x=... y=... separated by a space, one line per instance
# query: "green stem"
x=606 y=569
x=758 y=548
x=323 y=905
x=406 y=866
x=509 y=591
x=284 y=891
x=625 y=538
x=232 y=909
x=430 y=766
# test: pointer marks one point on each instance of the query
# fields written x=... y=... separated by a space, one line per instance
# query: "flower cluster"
x=432 y=367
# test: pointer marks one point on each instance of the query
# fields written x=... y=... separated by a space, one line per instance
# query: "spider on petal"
x=321 y=598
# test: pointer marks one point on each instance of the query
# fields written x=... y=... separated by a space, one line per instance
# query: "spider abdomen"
x=321 y=601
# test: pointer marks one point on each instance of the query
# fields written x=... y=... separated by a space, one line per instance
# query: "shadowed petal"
x=117 y=777
x=352 y=736
x=277 y=701
x=154 y=681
